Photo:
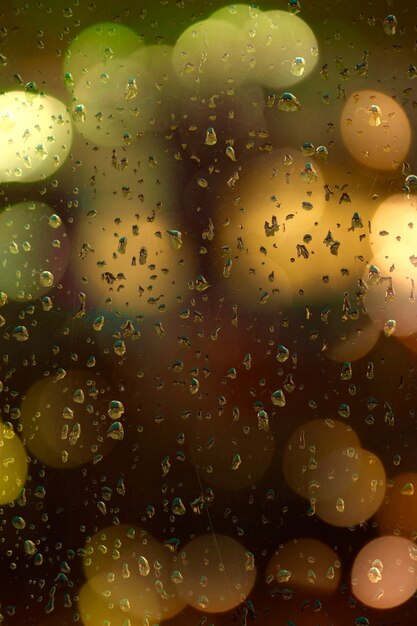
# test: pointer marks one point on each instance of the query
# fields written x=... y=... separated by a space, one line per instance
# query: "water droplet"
x=282 y=354
x=309 y=174
x=346 y=373
x=79 y=113
x=78 y=396
x=374 y=275
x=54 y=221
x=30 y=547
x=236 y=461
x=203 y=602
x=131 y=90
x=98 y=323
x=278 y=398
x=176 y=577
x=344 y=410
x=340 y=505
x=374 y=115
x=390 y=25
x=230 y=152
x=46 y=279
x=389 y=327
x=298 y=66
x=289 y=103
x=20 y=333
x=18 y=522
x=13 y=247
x=119 y=347
x=211 y=137
x=374 y=575
x=283 y=575
x=175 y=237
x=144 y=567
x=102 y=507
x=115 y=409
x=178 y=507
x=407 y=489
x=294 y=6
x=68 y=79
x=116 y=431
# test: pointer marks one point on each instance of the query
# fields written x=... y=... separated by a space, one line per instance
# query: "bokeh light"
x=310 y=445
x=95 y=609
x=352 y=487
x=392 y=272
x=375 y=130
x=307 y=565
x=64 y=420
x=310 y=249
x=393 y=225
x=398 y=514
x=132 y=273
x=203 y=63
x=33 y=240
x=219 y=573
x=355 y=345
x=207 y=294
x=36 y=136
x=13 y=463
x=101 y=42
x=391 y=278
x=384 y=574
x=128 y=570
x=125 y=97
x=283 y=49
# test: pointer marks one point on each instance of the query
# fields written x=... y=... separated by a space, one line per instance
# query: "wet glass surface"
x=208 y=321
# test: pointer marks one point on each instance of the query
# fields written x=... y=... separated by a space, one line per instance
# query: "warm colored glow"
x=236 y=14
x=35 y=134
x=32 y=240
x=307 y=565
x=282 y=47
x=209 y=56
x=98 y=43
x=392 y=297
x=355 y=345
x=127 y=568
x=324 y=462
x=391 y=294
x=64 y=420
x=352 y=487
x=13 y=465
x=273 y=48
x=313 y=251
x=394 y=225
x=101 y=547
x=312 y=444
x=218 y=573
x=379 y=138
x=398 y=515
x=124 y=97
x=155 y=277
x=384 y=572
x=95 y=609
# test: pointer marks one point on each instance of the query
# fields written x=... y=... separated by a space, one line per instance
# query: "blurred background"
x=208 y=264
